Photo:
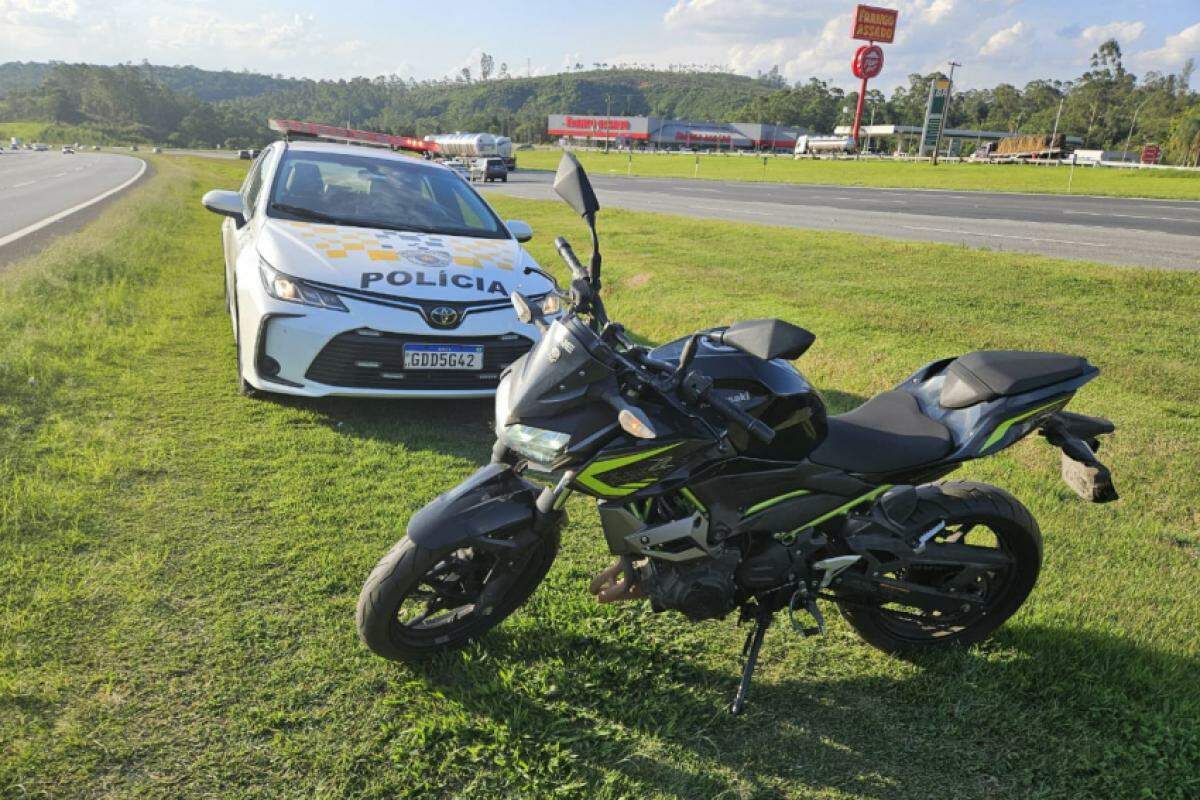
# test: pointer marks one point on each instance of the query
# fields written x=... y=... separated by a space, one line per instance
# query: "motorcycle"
x=723 y=486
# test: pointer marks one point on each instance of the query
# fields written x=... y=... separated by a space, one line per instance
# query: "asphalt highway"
x=1144 y=233
x=41 y=191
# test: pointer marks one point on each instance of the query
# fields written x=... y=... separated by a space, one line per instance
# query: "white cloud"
x=38 y=12
x=726 y=18
x=1004 y=39
x=1121 y=31
x=1177 y=48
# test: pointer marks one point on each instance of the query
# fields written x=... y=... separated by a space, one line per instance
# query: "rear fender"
x=1076 y=435
x=492 y=504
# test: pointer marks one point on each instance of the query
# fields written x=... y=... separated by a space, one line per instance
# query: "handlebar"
x=568 y=255
x=699 y=387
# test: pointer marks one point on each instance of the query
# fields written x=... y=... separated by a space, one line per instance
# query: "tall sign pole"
x=937 y=145
x=871 y=24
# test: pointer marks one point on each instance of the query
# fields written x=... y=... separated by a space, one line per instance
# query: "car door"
x=236 y=239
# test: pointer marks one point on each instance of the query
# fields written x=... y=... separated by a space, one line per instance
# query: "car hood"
x=401 y=264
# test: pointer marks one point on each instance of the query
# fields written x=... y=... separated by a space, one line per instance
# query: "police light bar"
x=313 y=130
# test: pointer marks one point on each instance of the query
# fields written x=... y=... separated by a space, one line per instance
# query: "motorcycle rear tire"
x=958 y=502
x=400 y=571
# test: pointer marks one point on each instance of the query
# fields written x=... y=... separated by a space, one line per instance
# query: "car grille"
x=338 y=362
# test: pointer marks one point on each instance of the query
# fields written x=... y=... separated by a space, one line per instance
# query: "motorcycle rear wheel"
x=448 y=583
x=969 y=509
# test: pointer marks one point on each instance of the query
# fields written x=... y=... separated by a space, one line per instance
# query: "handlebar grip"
x=755 y=427
x=568 y=255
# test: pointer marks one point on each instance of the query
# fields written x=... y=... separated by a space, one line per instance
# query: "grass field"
x=179 y=565
x=1168 y=184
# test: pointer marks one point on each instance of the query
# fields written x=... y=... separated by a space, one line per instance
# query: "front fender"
x=492 y=502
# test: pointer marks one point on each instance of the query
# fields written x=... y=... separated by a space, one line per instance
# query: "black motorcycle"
x=722 y=485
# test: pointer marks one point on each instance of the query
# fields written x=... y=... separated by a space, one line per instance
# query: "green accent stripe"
x=589 y=475
x=691 y=498
x=871 y=495
x=1003 y=427
x=765 y=504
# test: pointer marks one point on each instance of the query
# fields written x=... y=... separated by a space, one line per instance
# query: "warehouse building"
x=673 y=134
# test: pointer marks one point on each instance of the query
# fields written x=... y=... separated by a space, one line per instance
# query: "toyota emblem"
x=444 y=316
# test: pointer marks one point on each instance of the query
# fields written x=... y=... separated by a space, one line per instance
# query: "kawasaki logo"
x=402 y=277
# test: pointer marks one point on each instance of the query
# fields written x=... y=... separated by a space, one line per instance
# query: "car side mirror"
x=227 y=204
x=520 y=230
x=572 y=185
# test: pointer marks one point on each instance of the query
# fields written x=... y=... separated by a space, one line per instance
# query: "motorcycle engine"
x=701 y=589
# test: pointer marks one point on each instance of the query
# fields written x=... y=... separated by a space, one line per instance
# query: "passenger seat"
x=988 y=374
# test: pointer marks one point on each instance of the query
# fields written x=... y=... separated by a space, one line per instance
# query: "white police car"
x=359 y=271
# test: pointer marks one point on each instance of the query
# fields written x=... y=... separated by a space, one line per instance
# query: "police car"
x=360 y=271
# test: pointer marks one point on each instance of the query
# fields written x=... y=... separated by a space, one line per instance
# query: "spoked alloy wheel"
x=446 y=596
x=980 y=588
x=417 y=602
x=976 y=516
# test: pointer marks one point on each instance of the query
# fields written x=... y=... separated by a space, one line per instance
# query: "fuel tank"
x=773 y=391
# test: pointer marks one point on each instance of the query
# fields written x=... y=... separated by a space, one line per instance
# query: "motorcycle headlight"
x=536 y=444
x=294 y=290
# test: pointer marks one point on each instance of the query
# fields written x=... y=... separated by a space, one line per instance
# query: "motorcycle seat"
x=988 y=374
x=887 y=433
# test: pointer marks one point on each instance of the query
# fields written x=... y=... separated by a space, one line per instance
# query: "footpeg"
x=802 y=598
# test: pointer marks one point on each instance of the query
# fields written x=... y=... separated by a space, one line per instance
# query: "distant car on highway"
x=489 y=169
x=40 y=148
x=133 y=148
x=156 y=150
x=244 y=155
x=359 y=271
x=68 y=150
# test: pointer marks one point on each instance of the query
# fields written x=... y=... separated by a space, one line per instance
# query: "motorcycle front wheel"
x=418 y=602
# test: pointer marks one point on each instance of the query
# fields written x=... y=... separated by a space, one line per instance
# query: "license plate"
x=443 y=356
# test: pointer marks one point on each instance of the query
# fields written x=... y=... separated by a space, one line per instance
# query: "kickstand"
x=750 y=650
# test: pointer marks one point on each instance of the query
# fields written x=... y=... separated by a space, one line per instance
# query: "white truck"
x=470 y=146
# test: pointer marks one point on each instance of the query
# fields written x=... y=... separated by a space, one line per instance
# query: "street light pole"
x=608 y=123
x=1125 y=152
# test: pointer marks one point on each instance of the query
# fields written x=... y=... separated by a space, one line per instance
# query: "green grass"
x=179 y=565
x=1168 y=184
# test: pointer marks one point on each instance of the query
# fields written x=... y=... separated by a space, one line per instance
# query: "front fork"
x=552 y=498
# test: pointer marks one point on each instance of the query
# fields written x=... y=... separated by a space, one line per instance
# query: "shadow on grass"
x=461 y=428
x=1044 y=710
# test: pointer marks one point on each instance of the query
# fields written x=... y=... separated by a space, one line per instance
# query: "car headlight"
x=536 y=444
x=294 y=290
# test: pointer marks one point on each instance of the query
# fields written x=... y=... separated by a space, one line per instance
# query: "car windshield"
x=397 y=194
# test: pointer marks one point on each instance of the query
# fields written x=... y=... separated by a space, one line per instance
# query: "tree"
x=486 y=65
x=465 y=75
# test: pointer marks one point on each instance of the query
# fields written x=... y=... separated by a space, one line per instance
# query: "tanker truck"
x=468 y=146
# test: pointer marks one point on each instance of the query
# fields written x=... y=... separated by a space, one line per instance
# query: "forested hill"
x=203 y=84
x=194 y=107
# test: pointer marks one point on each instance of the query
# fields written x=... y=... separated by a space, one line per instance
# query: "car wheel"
x=245 y=388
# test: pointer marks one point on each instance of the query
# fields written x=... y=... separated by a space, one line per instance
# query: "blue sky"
x=996 y=40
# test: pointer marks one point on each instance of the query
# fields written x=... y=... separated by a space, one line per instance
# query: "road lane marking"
x=1002 y=236
x=1128 y=216
x=20 y=185
x=50 y=220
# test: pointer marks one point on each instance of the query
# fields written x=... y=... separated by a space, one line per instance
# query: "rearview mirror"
x=767 y=338
x=520 y=230
x=227 y=204
x=571 y=184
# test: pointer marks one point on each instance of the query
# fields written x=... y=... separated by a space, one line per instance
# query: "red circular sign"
x=868 y=61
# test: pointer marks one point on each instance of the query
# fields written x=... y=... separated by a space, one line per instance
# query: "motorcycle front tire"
x=400 y=572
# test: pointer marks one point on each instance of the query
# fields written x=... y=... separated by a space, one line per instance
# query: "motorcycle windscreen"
x=552 y=378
